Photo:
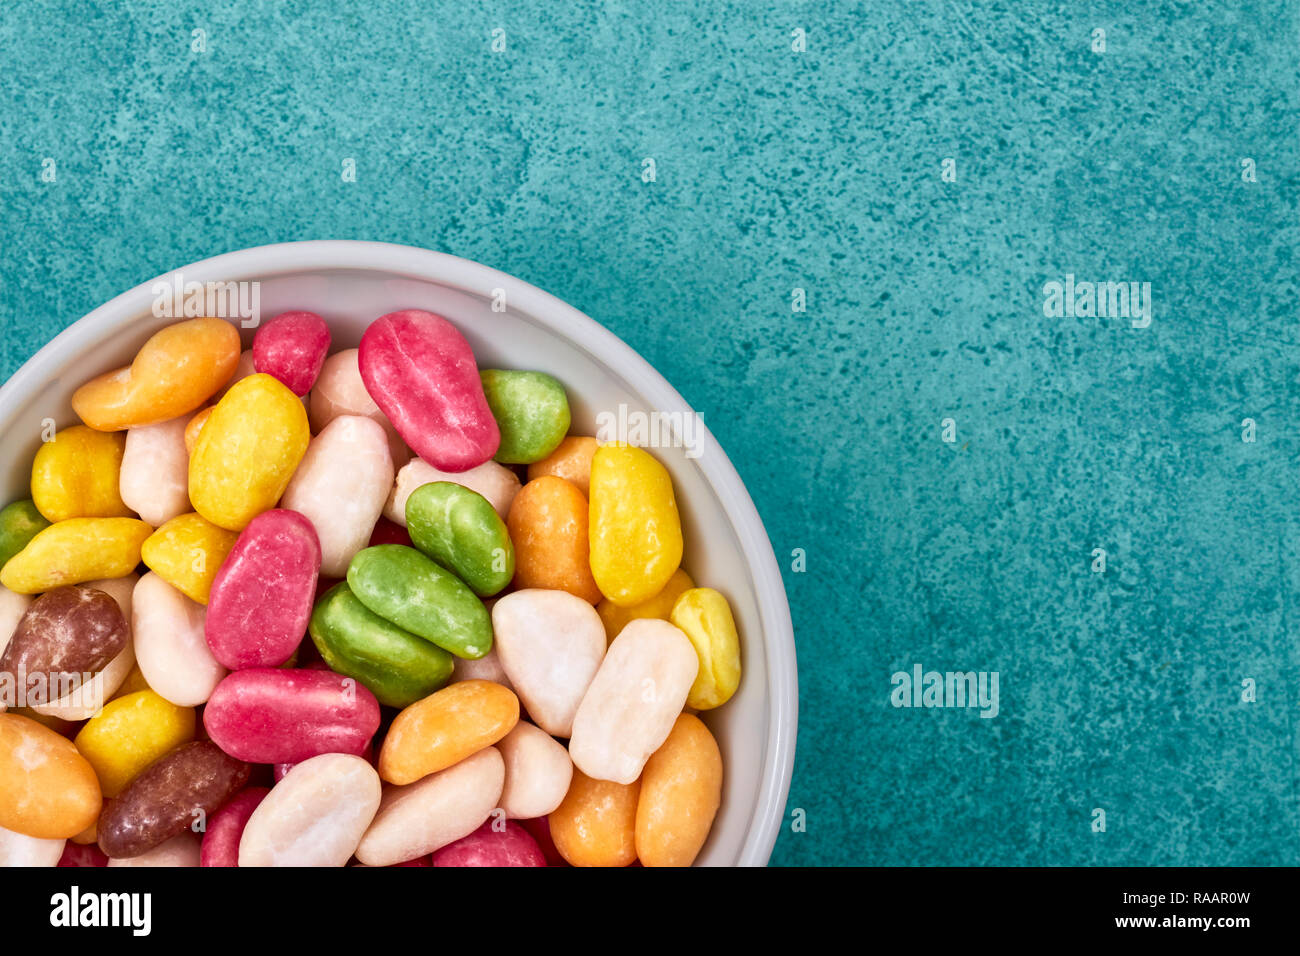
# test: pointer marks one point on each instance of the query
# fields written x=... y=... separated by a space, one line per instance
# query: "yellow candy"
x=130 y=733
x=247 y=451
x=635 y=531
x=134 y=682
x=187 y=552
x=75 y=475
x=704 y=616
x=615 y=618
x=76 y=551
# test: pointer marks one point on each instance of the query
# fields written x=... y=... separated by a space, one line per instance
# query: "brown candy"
x=65 y=632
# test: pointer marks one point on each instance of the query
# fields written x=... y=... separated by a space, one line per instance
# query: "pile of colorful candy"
x=390 y=613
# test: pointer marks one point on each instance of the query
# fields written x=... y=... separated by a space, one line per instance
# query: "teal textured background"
x=821 y=171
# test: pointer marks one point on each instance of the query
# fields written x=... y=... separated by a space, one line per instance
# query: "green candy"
x=403 y=586
x=398 y=667
x=531 y=410
x=460 y=530
x=19 y=523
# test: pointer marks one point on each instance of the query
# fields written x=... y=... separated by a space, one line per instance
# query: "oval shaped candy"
x=462 y=532
x=272 y=715
x=435 y=811
x=170 y=648
x=398 y=667
x=596 y=823
x=187 y=552
x=75 y=475
x=18 y=849
x=445 y=728
x=548 y=524
x=19 y=523
x=315 y=816
x=550 y=644
x=636 y=532
x=532 y=413
x=65 y=635
x=292 y=348
x=261 y=597
x=247 y=452
x=47 y=789
x=495 y=843
x=421 y=373
x=681 y=790
x=74 y=552
x=632 y=702
x=172 y=794
x=176 y=371
x=340 y=391
x=341 y=486
x=155 y=475
x=704 y=616
x=403 y=586
x=493 y=480
x=571 y=461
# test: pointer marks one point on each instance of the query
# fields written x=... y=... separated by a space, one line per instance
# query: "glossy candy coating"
x=635 y=530
x=531 y=410
x=75 y=475
x=461 y=531
x=76 y=551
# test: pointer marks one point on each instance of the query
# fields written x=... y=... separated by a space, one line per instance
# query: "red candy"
x=292 y=348
x=262 y=596
x=273 y=715
x=421 y=373
x=78 y=854
x=496 y=843
x=221 y=841
x=389 y=532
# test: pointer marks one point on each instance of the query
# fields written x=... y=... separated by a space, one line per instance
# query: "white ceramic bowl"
x=352 y=283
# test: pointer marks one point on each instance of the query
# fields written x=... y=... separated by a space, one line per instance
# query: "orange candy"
x=570 y=461
x=548 y=525
x=47 y=789
x=681 y=789
x=195 y=425
x=445 y=728
x=596 y=823
x=179 y=368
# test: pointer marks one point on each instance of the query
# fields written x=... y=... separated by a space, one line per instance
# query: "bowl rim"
x=468 y=276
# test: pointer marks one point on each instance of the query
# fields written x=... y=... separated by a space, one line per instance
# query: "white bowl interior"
x=756 y=728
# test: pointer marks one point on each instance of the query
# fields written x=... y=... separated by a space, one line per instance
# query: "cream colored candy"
x=315 y=816
x=180 y=850
x=538 y=772
x=421 y=817
x=340 y=486
x=487 y=667
x=494 y=481
x=89 y=700
x=550 y=644
x=17 y=849
x=340 y=391
x=633 y=701
x=170 y=646
x=155 y=477
x=12 y=608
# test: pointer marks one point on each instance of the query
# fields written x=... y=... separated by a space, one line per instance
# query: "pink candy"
x=262 y=596
x=271 y=715
x=292 y=348
x=421 y=373
x=78 y=854
x=495 y=843
x=221 y=840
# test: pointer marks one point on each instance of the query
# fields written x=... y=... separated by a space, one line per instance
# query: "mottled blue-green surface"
x=821 y=170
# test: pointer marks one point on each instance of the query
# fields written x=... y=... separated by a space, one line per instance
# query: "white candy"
x=634 y=700
x=439 y=809
x=18 y=849
x=538 y=772
x=180 y=850
x=315 y=816
x=339 y=390
x=154 y=480
x=487 y=667
x=551 y=644
x=494 y=481
x=341 y=486
x=170 y=646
